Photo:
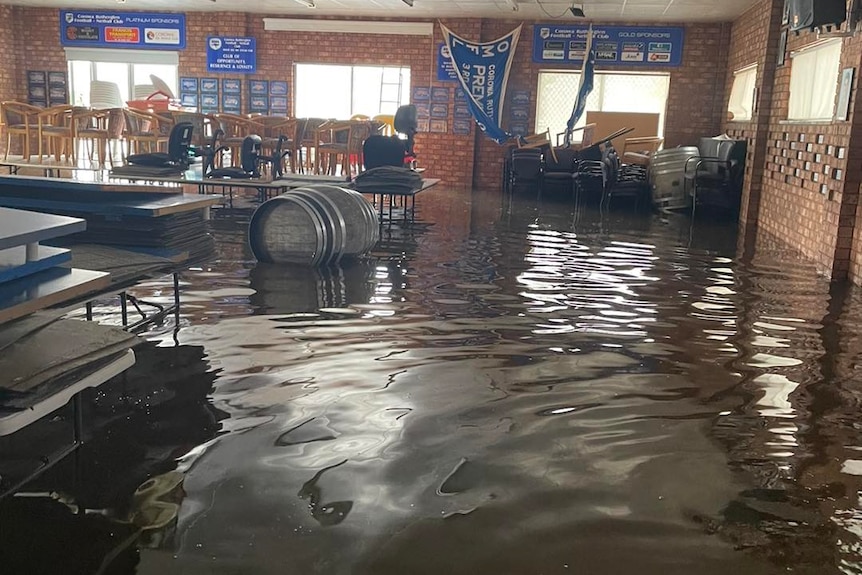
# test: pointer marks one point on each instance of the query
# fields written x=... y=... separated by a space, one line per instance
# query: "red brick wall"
x=9 y=71
x=798 y=186
x=695 y=104
x=754 y=40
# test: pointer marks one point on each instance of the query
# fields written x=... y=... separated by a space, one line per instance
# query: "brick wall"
x=798 y=187
x=695 y=103
x=754 y=40
x=8 y=72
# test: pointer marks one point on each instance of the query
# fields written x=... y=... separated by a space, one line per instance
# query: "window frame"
x=746 y=74
x=599 y=87
x=403 y=95
x=799 y=58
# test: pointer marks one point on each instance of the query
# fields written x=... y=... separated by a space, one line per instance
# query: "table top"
x=72 y=183
x=19 y=227
x=46 y=289
x=143 y=205
x=18 y=420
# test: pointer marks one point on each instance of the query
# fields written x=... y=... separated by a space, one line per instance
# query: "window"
x=814 y=81
x=126 y=68
x=332 y=91
x=742 y=94
x=611 y=93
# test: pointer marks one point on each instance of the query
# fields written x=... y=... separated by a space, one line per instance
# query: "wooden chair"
x=589 y=133
x=93 y=129
x=640 y=150
x=235 y=129
x=275 y=127
x=200 y=122
x=307 y=133
x=55 y=130
x=539 y=140
x=145 y=132
x=20 y=119
x=342 y=146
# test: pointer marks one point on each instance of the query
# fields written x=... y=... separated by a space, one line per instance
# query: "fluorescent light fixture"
x=344 y=27
x=306 y=3
x=408 y=2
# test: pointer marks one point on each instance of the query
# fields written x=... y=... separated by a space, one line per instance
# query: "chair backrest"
x=526 y=163
x=359 y=117
x=611 y=162
x=359 y=132
x=142 y=91
x=250 y=155
x=406 y=120
x=18 y=113
x=562 y=160
x=196 y=119
x=105 y=95
x=180 y=141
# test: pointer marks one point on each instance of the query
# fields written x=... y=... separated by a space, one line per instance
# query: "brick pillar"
x=764 y=46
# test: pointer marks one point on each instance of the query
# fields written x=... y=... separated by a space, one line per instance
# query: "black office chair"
x=380 y=151
x=179 y=145
x=620 y=182
x=407 y=123
x=210 y=151
x=250 y=159
x=525 y=167
x=715 y=177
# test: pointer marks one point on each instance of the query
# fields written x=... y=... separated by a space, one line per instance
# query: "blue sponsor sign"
x=445 y=68
x=231 y=54
x=123 y=30
x=613 y=45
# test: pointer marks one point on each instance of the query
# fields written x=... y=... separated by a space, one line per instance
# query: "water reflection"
x=514 y=390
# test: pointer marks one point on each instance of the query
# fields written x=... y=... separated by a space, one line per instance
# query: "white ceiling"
x=548 y=10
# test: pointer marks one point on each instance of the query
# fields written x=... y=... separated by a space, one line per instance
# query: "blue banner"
x=231 y=55
x=585 y=86
x=613 y=45
x=123 y=30
x=483 y=71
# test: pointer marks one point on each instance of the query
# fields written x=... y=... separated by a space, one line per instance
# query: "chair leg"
x=8 y=145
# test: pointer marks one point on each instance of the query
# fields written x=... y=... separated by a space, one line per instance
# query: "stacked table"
x=46 y=361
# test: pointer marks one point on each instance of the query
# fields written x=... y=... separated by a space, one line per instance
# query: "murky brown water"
x=509 y=390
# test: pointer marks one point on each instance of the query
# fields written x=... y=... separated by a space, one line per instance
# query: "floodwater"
x=502 y=388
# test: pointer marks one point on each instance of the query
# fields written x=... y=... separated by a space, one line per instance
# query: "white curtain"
x=742 y=94
x=814 y=81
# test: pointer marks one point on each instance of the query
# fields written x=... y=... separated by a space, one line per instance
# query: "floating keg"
x=313 y=225
x=667 y=177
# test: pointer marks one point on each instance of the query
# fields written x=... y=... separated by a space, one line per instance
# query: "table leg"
x=32 y=252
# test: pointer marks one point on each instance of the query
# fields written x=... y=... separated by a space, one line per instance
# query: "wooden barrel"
x=667 y=176
x=360 y=218
x=313 y=225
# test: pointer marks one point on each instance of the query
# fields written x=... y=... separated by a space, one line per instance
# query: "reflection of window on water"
x=634 y=93
x=332 y=91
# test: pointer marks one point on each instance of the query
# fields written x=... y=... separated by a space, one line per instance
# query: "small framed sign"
x=843 y=109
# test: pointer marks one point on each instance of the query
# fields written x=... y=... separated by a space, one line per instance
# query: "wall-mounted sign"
x=614 y=45
x=445 y=69
x=123 y=30
x=231 y=55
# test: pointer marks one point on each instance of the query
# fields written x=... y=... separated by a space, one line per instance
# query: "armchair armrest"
x=701 y=161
